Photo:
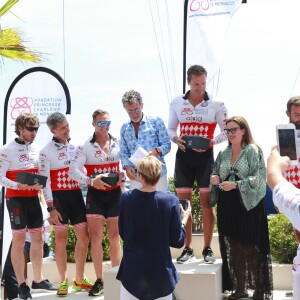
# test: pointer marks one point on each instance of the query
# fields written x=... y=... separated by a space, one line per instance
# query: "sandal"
x=236 y=295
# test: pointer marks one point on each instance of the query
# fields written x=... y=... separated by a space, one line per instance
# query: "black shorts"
x=24 y=212
x=103 y=203
x=191 y=166
x=70 y=205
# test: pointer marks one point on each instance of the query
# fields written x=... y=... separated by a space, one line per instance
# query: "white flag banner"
x=39 y=91
x=206 y=25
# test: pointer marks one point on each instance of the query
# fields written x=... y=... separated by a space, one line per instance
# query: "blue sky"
x=110 y=47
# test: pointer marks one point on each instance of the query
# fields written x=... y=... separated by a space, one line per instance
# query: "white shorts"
x=125 y=295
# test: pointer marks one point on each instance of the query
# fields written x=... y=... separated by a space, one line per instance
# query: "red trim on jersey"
x=199 y=129
x=12 y=175
x=61 y=181
x=104 y=168
x=291 y=175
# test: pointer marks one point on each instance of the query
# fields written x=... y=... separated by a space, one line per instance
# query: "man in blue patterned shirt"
x=147 y=132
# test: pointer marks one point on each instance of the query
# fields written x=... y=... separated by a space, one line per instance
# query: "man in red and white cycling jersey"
x=21 y=155
x=100 y=155
x=198 y=114
x=65 y=202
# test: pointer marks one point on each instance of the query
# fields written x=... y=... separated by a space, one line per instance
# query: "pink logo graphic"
x=20 y=105
x=98 y=153
x=199 y=5
x=23 y=157
x=62 y=156
x=186 y=111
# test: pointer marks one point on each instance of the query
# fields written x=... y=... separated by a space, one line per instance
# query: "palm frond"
x=11 y=46
x=7 y=6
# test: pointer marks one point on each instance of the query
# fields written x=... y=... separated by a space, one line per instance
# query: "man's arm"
x=173 y=124
x=221 y=117
x=163 y=138
x=125 y=155
x=4 y=166
x=44 y=166
x=286 y=196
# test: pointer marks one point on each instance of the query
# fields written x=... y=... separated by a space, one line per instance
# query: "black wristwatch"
x=50 y=208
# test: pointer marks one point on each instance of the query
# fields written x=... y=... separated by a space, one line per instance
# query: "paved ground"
x=278 y=295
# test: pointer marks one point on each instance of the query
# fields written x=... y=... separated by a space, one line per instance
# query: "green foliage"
x=282 y=239
x=72 y=242
x=196 y=207
x=11 y=41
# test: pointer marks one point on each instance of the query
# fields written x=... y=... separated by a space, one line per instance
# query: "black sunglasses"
x=31 y=129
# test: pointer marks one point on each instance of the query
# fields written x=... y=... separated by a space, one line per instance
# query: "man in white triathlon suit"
x=100 y=155
x=198 y=114
x=65 y=202
x=21 y=155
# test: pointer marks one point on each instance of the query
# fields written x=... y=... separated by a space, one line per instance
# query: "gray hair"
x=132 y=97
x=55 y=118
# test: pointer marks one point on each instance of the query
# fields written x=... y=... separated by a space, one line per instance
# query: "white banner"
x=207 y=22
x=40 y=91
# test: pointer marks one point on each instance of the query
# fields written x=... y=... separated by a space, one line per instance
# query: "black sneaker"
x=208 y=255
x=187 y=255
x=44 y=285
x=97 y=289
x=24 y=291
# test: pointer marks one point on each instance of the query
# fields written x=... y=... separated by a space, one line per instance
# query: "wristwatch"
x=50 y=208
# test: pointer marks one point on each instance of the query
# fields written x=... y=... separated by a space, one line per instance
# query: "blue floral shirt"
x=152 y=134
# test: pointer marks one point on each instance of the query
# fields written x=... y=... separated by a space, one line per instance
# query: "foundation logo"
x=20 y=105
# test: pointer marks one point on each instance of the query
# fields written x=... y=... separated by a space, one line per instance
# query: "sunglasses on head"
x=31 y=129
x=105 y=123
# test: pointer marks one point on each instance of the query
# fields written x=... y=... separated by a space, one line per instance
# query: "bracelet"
x=158 y=151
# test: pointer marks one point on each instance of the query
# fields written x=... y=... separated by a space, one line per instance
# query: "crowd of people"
x=148 y=220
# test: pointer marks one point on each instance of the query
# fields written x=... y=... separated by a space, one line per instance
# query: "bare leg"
x=61 y=239
x=208 y=218
x=17 y=256
x=189 y=224
x=81 y=249
x=95 y=226
x=36 y=254
x=114 y=241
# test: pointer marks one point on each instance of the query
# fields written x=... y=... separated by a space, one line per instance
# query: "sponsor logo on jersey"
x=62 y=155
x=186 y=111
x=23 y=157
x=198 y=119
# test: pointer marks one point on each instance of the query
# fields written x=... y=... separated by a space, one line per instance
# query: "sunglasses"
x=232 y=130
x=105 y=123
x=136 y=111
x=31 y=129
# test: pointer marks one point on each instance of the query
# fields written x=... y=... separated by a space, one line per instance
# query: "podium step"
x=282 y=273
x=196 y=278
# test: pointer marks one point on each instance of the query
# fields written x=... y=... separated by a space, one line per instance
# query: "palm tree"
x=11 y=43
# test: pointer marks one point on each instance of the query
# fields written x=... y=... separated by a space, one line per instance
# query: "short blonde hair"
x=150 y=168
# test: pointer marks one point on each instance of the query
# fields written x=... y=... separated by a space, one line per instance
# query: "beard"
x=297 y=124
